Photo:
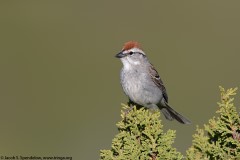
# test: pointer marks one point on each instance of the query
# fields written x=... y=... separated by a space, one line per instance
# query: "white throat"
x=128 y=63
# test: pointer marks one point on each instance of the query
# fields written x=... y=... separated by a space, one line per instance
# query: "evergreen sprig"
x=141 y=137
x=220 y=138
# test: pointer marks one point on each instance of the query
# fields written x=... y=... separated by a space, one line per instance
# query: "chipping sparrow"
x=142 y=84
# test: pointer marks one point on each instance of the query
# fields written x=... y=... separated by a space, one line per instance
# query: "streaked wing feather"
x=157 y=80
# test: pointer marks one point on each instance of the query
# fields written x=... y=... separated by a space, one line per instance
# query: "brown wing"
x=157 y=80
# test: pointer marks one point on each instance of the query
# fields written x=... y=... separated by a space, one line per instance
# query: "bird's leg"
x=131 y=105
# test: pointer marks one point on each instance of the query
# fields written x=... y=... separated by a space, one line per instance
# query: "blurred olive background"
x=59 y=84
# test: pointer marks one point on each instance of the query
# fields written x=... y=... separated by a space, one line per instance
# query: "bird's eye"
x=131 y=53
x=157 y=76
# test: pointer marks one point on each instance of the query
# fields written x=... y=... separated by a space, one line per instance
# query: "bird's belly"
x=141 y=93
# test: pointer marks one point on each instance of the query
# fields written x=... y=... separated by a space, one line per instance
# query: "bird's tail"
x=171 y=114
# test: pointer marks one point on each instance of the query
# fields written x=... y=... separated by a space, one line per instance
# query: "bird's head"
x=131 y=54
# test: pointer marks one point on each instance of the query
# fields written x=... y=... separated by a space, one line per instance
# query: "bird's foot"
x=131 y=106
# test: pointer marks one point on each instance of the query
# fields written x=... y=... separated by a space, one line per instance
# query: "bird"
x=142 y=84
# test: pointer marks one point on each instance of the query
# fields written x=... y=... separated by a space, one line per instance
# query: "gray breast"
x=138 y=86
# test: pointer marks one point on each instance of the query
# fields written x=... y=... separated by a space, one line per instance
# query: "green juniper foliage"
x=222 y=141
x=141 y=137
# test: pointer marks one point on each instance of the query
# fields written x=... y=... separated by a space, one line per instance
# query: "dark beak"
x=120 y=55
